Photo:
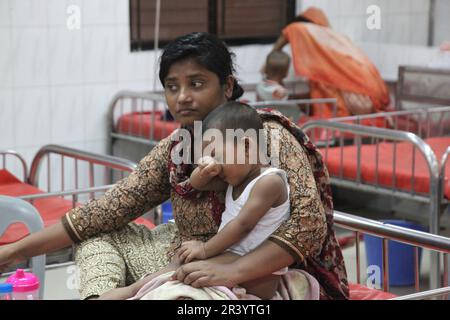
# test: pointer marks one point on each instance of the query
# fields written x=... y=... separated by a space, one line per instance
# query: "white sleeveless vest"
x=268 y=223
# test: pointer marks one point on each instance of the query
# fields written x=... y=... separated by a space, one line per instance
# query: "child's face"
x=238 y=165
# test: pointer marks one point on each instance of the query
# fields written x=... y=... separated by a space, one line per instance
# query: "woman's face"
x=192 y=91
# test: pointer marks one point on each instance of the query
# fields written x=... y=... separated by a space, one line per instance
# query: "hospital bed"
x=299 y=110
x=394 y=167
x=422 y=86
x=59 y=179
x=138 y=120
x=440 y=246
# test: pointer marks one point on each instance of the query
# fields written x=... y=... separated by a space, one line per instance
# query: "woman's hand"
x=191 y=250
x=117 y=294
x=9 y=256
x=206 y=273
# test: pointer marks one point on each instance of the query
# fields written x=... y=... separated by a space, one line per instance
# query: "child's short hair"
x=277 y=62
x=233 y=115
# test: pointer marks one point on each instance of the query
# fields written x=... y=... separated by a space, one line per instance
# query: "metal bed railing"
x=378 y=135
x=63 y=154
x=422 y=85
x=440 y=245
x=54 y=166
x=126 y=102
x=445 y=159
x=10 y=154
x=298 y=108
x=154 y=104
x=425 y=122
x=294 y=86
x=54 y=157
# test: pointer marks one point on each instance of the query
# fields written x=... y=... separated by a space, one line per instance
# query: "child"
x=257 y=196
x=257 y=201
x=272 y=87
x=276 y=69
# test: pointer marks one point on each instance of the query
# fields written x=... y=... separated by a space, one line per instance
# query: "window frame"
x=145 y=45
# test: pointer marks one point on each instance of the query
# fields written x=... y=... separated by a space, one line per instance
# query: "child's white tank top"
x=266 y=225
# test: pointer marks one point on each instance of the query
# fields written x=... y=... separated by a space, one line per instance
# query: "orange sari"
x=335 y=68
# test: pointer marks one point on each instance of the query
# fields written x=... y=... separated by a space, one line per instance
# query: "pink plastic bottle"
x=25 y=285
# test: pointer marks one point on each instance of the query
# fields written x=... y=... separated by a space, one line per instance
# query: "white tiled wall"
x=442 y=21
x=402 y=21
x=403 y=36
x=55 y=83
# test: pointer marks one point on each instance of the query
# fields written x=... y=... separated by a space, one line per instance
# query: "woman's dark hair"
x=301 y=18
x=207 y=50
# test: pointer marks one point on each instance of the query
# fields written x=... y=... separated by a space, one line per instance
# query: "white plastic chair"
x=13 y=210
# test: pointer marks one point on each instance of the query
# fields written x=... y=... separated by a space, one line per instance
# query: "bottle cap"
x=23 y=281
x=6 y=287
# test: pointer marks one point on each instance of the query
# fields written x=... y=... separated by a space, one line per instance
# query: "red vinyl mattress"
x=403 y=168
x=141 y=123
x=50 y=209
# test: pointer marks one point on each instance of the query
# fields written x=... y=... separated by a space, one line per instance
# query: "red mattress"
x=403 y=170
x=320 y=134
x=51 y=209
x=359 y=292
x=140 y=124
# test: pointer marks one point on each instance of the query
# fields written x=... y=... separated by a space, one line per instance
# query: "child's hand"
x=191 y=250
x=209 y=167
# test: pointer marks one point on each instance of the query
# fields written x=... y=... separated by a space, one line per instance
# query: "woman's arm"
x=47 y=240
x=303 y=234
x=145 y=188
x=280 y=43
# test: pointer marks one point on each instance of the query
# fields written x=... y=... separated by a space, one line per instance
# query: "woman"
x=334 y=66
x=196 y=71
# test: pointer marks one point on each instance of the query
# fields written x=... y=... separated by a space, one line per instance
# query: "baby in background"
x=272 y=87
x=276 y=69
x=257 y=196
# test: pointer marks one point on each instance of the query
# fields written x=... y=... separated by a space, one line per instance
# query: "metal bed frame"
x=135 y=146
x=422 y=85
x=375 y=135
x=293 y=86
x=13 y=155
x=86 y=166
x=301 y=107
x=439 y=281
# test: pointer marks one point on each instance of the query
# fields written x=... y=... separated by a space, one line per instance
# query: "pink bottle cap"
x=23 y=281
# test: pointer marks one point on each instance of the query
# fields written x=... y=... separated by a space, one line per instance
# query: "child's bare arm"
x=280 y=43
x=265 y=194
